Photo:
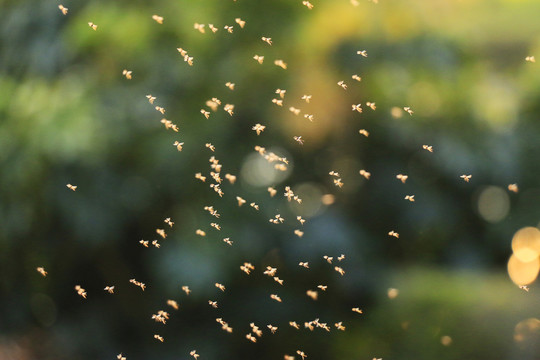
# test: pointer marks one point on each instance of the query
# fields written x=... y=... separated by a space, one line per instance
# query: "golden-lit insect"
x=371 y=105
x=299 y=140
x=342 y=84
x=259 y=59
x=363 y=132
x=282 y=64
x=127 y=74
x=272 y=191
x=328 y=258
x=309 y=117
x=339 y=270
x=200 y=232
x=229 y=108
x=410 y=198
x=428 y=148
x=338 y=183
x=172 y=304
x=408 y=109
x=182 y=51
x=281 y=93
x=231 y=178
x=213 y=304
x=298 y=233
x=278 y=280
x=307 y=4
x=362 y=52
x=301 y=354
x=251 y=338
x=356 y=77
x=341 y=257
x=272 y=329
x=365 y=174
x=299 y=218
x=247 y=268
x=71 y=187
x=333 y=173
x=304 y=264
x=220 y=286
x=109 y=289
x=357 y=310
x=161 y=232
x=156 y=244
x=228 y=241
x=270 y=271
x=212 y=212
x=213 y=28
x=322 y=287
x=160 y=109
x=205 y=113
x=255 y=206
x=150 y=98
x=240 y=22
x=277 y=102
x=314 y=295
x=394 y=234
x=138 y=283
x=169 y=222
x=93 y=26
x=158 y=19
x=194 y=354
x=199 y=27
x=158 y=337
x=528 y=58
x=357 y=107
x=42 y=271
x=339 y=326
x=120 y=357
x=210 y=146
x=199 y=176
x=215 y=226
x=402 y=177
x=277 y=219
x=524 y=287
x=294 y=110
x=267 y=40
x=258 y=128
x=256 y=329
x=161 y=316
x=63 y=9
x=466 y=177
x=275 y=297
x=307 y=98
x=230 y=85
x=144 y=243
x=240 y=201
x=186 y=289
x=80 y=291
x=294 y=325
x=513 y=188
x=169 y=125
x=229 y=29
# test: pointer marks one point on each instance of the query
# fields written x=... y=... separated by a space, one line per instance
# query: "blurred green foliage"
x=67 y=115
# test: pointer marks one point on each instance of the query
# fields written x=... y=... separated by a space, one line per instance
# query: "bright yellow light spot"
x=526 y=244
x=523 y=273
x=393 y=293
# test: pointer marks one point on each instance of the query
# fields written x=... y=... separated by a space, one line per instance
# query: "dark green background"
x=67 y=115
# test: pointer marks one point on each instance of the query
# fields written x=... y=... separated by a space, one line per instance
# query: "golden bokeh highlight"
x=526 y=244
x=523 y=273
x=446 y=340
x=493 y=204
x=527 y=330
